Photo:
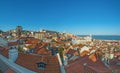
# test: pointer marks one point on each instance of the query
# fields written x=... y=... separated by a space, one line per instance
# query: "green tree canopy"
x=60 y=50
x=1 y=31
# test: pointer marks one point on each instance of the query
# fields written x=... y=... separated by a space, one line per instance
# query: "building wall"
x=3 y=42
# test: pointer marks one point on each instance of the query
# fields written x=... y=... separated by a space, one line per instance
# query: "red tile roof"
x=85 y=65
x=76 y=53
x=29 y=61
x=5 y=53
x=13 y=43
x=2 y=48
x=119 y=58
x=117 y=53
x=84 y=53
x=31 y=46
x=9 y=70
x=43 y=51
x=72 y=52
x=93 y=58
x=32 y=41
x=115 y=68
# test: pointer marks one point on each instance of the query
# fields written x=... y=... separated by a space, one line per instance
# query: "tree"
x=1 y=31
x=60 y=50
x=20 y=49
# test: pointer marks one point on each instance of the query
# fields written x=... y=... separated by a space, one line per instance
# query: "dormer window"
x=41 y=65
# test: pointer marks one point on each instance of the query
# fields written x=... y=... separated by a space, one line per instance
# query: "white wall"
x=3 y=42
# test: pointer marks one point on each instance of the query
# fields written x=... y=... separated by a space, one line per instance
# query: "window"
x=41 y=65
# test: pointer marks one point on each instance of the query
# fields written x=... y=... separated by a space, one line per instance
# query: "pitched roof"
x=72 y=52
x=84 y=53
x=85 y=48
x=43 y=51
x=2 y=48
x=13 y=43
x=29 y=61
x=5 y=53
x=93 y=57
x=119 y=58
x=85 y=65
x=31 y=46
x=32 y=41
x=9 y=70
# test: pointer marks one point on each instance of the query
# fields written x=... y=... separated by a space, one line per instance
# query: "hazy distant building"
x=40 y=35
x=48 y=31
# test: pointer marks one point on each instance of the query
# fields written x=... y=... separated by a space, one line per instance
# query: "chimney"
x=13 y=54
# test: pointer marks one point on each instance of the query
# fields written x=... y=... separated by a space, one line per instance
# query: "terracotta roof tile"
x=72 y=52
x=76 y=53
x=5 y=53
x=119 y=58
x=32 y=41
x=13 y=43
x=31 y=46
x=29 y=61
x=85 y=65
x=2 y=48
x=93 y=57
x=43 y=51
x=84 y=53
x=9 y=70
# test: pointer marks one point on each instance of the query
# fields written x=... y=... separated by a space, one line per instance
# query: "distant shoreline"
x=104 y=37
x=98 y=35
x=107 y=40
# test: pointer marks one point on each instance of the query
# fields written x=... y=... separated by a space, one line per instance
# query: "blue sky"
x=101 y=17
